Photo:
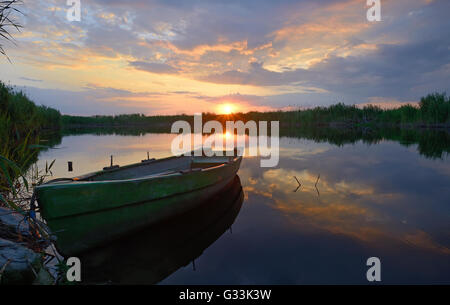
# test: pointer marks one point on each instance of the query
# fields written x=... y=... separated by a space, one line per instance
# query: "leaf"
x=51 y=164
x=25 y=182
x=8 y=178
x=3 y=199
x=10 y=163
x=27 y=159
x=11 y=204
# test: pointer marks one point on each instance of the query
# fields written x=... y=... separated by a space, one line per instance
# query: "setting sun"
x=226 y=109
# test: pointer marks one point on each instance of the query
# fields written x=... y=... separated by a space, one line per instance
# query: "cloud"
x=405 y=70
x=258 y=76
x=31 y=79
x=159 y=68
x=289 y=52
x=94 y=100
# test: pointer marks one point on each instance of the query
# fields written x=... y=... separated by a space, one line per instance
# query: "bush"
x=435 y=108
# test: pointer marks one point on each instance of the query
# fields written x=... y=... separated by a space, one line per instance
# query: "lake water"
x=374 y=198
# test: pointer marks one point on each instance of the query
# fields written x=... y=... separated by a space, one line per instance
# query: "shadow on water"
x=156 y=252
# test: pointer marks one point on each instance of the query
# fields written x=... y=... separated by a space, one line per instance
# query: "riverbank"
x=22 y=250
x=21 y=253
x=433 y=111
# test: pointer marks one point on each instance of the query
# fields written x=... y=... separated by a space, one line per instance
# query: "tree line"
x=432 y=109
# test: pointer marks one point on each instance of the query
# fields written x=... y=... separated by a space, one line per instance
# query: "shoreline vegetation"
x=22 y=237
x=21 y=124
x=433 y=112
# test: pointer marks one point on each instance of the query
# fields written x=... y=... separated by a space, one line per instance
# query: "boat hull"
x=87 y=215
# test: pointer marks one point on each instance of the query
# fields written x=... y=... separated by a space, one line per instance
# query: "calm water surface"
x=385 y=200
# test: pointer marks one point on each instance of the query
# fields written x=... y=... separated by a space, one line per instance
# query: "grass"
x=21 y=121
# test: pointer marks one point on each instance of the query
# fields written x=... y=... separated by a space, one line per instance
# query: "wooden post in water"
x=111 y=166
x=70 y=166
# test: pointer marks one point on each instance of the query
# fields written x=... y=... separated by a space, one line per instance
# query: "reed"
x=20 y=124
x=433 y=109
x=7 y=21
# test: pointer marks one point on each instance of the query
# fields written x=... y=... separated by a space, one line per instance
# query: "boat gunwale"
x=145 y=178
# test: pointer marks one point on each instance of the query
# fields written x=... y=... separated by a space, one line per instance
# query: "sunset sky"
x=173 y=56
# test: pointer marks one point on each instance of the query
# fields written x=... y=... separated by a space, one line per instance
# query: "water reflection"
x=430 y=143
x=382 y=194
x=154 y=253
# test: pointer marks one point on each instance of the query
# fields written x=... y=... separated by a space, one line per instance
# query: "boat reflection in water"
x=156 y=252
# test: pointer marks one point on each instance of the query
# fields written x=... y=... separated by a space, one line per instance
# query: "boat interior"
x=152 y=167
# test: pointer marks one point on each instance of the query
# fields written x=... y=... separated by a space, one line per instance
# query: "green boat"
x=88 y=211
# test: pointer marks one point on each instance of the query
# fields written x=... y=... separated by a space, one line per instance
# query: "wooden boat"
x=96 y=208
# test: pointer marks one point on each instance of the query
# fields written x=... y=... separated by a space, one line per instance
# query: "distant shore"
x=167 y=125
x=433 y=111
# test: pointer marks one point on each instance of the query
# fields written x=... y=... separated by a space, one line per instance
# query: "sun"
x=226 y=109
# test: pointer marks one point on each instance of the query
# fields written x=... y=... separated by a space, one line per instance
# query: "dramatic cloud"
x=270 y=54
